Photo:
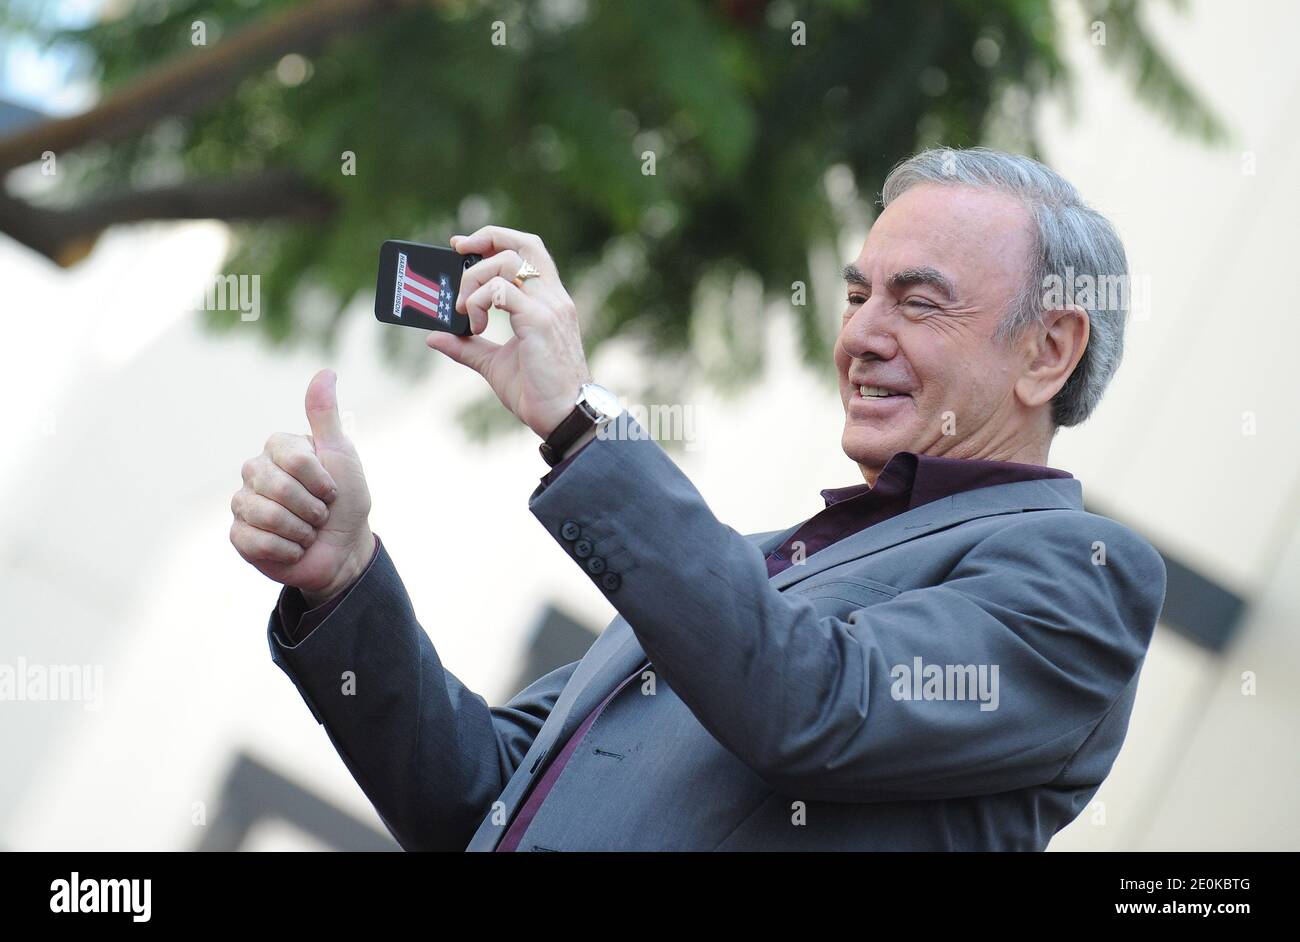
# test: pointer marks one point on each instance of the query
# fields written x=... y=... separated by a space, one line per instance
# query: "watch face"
x=600 y=399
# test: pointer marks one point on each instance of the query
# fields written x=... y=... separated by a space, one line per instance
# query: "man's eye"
x=921 y=303
x=856 y=299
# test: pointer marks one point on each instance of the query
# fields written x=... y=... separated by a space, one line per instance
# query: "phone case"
x=417 y=286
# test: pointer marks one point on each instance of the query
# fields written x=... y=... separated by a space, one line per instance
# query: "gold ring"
x=526 y=270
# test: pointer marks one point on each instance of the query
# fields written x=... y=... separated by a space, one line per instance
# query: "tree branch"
x=65 y=236
x=195 y=79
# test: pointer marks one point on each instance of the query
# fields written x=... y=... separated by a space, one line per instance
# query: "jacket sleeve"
x=821 y=707
x=429 y=753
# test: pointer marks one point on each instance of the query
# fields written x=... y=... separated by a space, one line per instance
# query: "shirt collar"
x=926 y=478
x=895 y=477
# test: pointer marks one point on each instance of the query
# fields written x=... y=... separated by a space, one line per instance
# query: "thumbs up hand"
x=302 y=516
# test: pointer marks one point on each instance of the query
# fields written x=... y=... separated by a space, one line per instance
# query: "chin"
x=869 y=447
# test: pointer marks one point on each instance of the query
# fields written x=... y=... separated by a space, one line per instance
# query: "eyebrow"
x=924 y=275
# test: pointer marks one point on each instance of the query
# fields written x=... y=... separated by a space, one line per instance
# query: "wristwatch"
x=596 y=406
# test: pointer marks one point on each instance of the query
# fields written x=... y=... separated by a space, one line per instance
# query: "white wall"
x=127 y=427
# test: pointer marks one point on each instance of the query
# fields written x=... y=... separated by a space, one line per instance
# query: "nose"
x=869 y=333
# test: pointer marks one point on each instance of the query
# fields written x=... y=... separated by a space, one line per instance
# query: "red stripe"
x=420 y=292
x=422 y=281
x=408 y=301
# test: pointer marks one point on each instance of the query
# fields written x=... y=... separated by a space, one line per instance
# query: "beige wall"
x=1205 y=766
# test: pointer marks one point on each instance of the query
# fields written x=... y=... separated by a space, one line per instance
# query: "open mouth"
x=879 y=392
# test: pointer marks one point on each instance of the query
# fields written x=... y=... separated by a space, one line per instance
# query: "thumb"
x=323 y=410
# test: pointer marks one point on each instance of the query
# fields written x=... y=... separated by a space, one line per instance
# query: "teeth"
x=873 y=392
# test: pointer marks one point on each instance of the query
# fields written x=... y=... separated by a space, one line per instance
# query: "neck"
x=1026 y=452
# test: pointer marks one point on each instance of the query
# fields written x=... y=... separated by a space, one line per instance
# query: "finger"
x=493 y=239
x=258 y=546
x=506 y=296
x=506 y=264
x=296 y=454
x=265 y=514
x=275 y=483
x=322 y=406
x=474 y=352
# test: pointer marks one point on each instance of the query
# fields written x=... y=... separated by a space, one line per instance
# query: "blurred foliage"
x=547 y=134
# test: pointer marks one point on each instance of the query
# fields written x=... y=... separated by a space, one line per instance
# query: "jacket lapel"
x=1045 y=494
x=613 y=656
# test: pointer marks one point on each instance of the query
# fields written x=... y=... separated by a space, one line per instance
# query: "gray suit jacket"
x=802 y=712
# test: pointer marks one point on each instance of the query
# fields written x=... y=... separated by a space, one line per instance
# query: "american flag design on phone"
x=414 y=291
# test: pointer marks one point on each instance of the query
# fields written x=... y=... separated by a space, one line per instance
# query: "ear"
x=1051 y=351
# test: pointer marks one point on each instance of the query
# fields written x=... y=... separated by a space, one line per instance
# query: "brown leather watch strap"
x=575 y=425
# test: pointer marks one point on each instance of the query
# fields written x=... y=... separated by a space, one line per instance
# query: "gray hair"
x=1073 y=240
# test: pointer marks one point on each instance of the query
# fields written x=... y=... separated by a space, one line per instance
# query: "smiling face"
x=920 y=367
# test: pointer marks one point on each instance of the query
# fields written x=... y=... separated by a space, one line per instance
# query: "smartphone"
x=417 y=286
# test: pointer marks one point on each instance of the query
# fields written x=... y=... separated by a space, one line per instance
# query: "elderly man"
x=945 y=658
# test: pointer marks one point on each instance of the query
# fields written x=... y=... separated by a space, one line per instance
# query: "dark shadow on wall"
x=253 y=792
x=557 y=640
x=1197 y=606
